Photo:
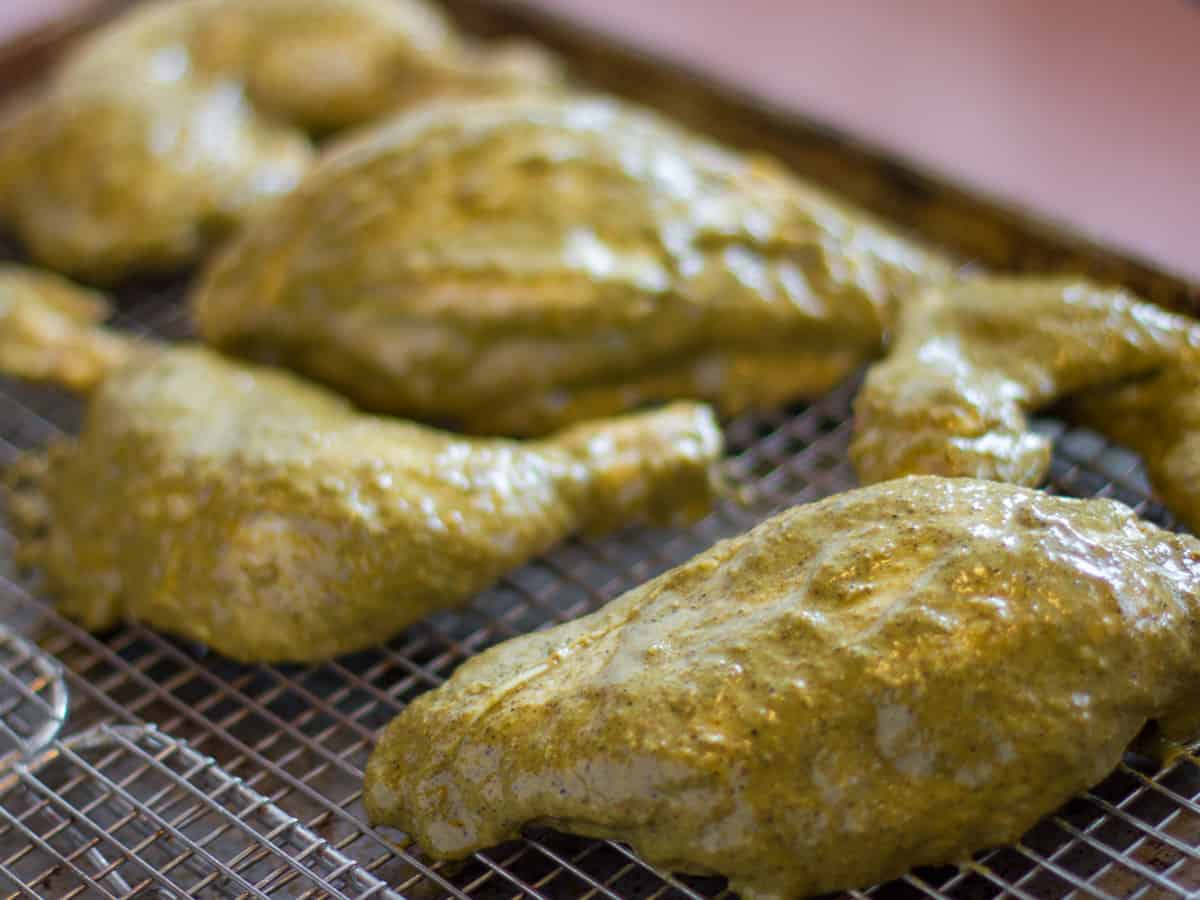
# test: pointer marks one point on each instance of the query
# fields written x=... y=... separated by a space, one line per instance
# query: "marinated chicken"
x=180 y=119
x=895 y=676
x=49 y=330
x=517 y=264
x=264 y=516
x=1159 y=418
x=970 y=361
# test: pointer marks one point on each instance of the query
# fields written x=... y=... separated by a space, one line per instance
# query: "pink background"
x=1088 y=110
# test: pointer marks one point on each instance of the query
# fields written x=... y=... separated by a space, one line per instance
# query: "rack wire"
x=186 y=775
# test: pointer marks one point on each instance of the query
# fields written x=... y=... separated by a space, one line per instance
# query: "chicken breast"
x=892 y=677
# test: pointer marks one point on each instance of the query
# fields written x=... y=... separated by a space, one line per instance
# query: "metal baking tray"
x=135 y=765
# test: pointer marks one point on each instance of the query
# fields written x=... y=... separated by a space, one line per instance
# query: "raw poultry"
x=179 y=120
x=893 y=677
x=971 y=360
x=266 y=517
x=516 y=264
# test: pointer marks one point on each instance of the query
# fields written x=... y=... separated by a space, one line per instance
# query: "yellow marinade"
x=971 y=360
x=173 y=124
x=515 y=264
x=267 y=517
x=896 y=676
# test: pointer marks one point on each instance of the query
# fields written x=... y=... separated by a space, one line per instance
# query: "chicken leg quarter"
x=516 y=264
x=971 y=360
x=171 y=125
x=892 y=677
x=266 y=517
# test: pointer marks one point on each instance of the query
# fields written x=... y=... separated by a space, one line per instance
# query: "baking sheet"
x=178 y=773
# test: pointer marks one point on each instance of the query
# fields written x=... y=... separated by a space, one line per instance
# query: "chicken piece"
x=971 y=361
x=173 y=124
x=892 y=677
x=517 y=264
x=264 y=516
x=1159 y=418
x=48 y=333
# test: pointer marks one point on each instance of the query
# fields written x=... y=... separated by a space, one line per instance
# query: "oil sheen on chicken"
x=970 y=362
x=266 y=517
x=895 y=676
x=173 y=124
x=516 y=264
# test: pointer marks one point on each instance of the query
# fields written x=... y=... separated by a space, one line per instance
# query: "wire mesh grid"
x=187 y=775
x=169 y=818
x=33 y=697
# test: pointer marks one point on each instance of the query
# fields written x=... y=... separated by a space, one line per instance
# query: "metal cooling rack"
x=181 y=774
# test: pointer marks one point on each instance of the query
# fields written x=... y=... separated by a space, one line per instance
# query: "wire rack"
x=176 y=773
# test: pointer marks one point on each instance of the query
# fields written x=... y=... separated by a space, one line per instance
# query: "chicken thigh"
x=264 y=516
x=180 y=119
x=896 y=676
x=971 y=360
x=516 y=264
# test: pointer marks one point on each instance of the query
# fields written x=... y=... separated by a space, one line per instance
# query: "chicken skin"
x=179 y=120
x=891 y=677
x=264 y=516
x=517 y=264
x=970 y=362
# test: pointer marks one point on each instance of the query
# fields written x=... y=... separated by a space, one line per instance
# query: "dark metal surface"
x=182 y=774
